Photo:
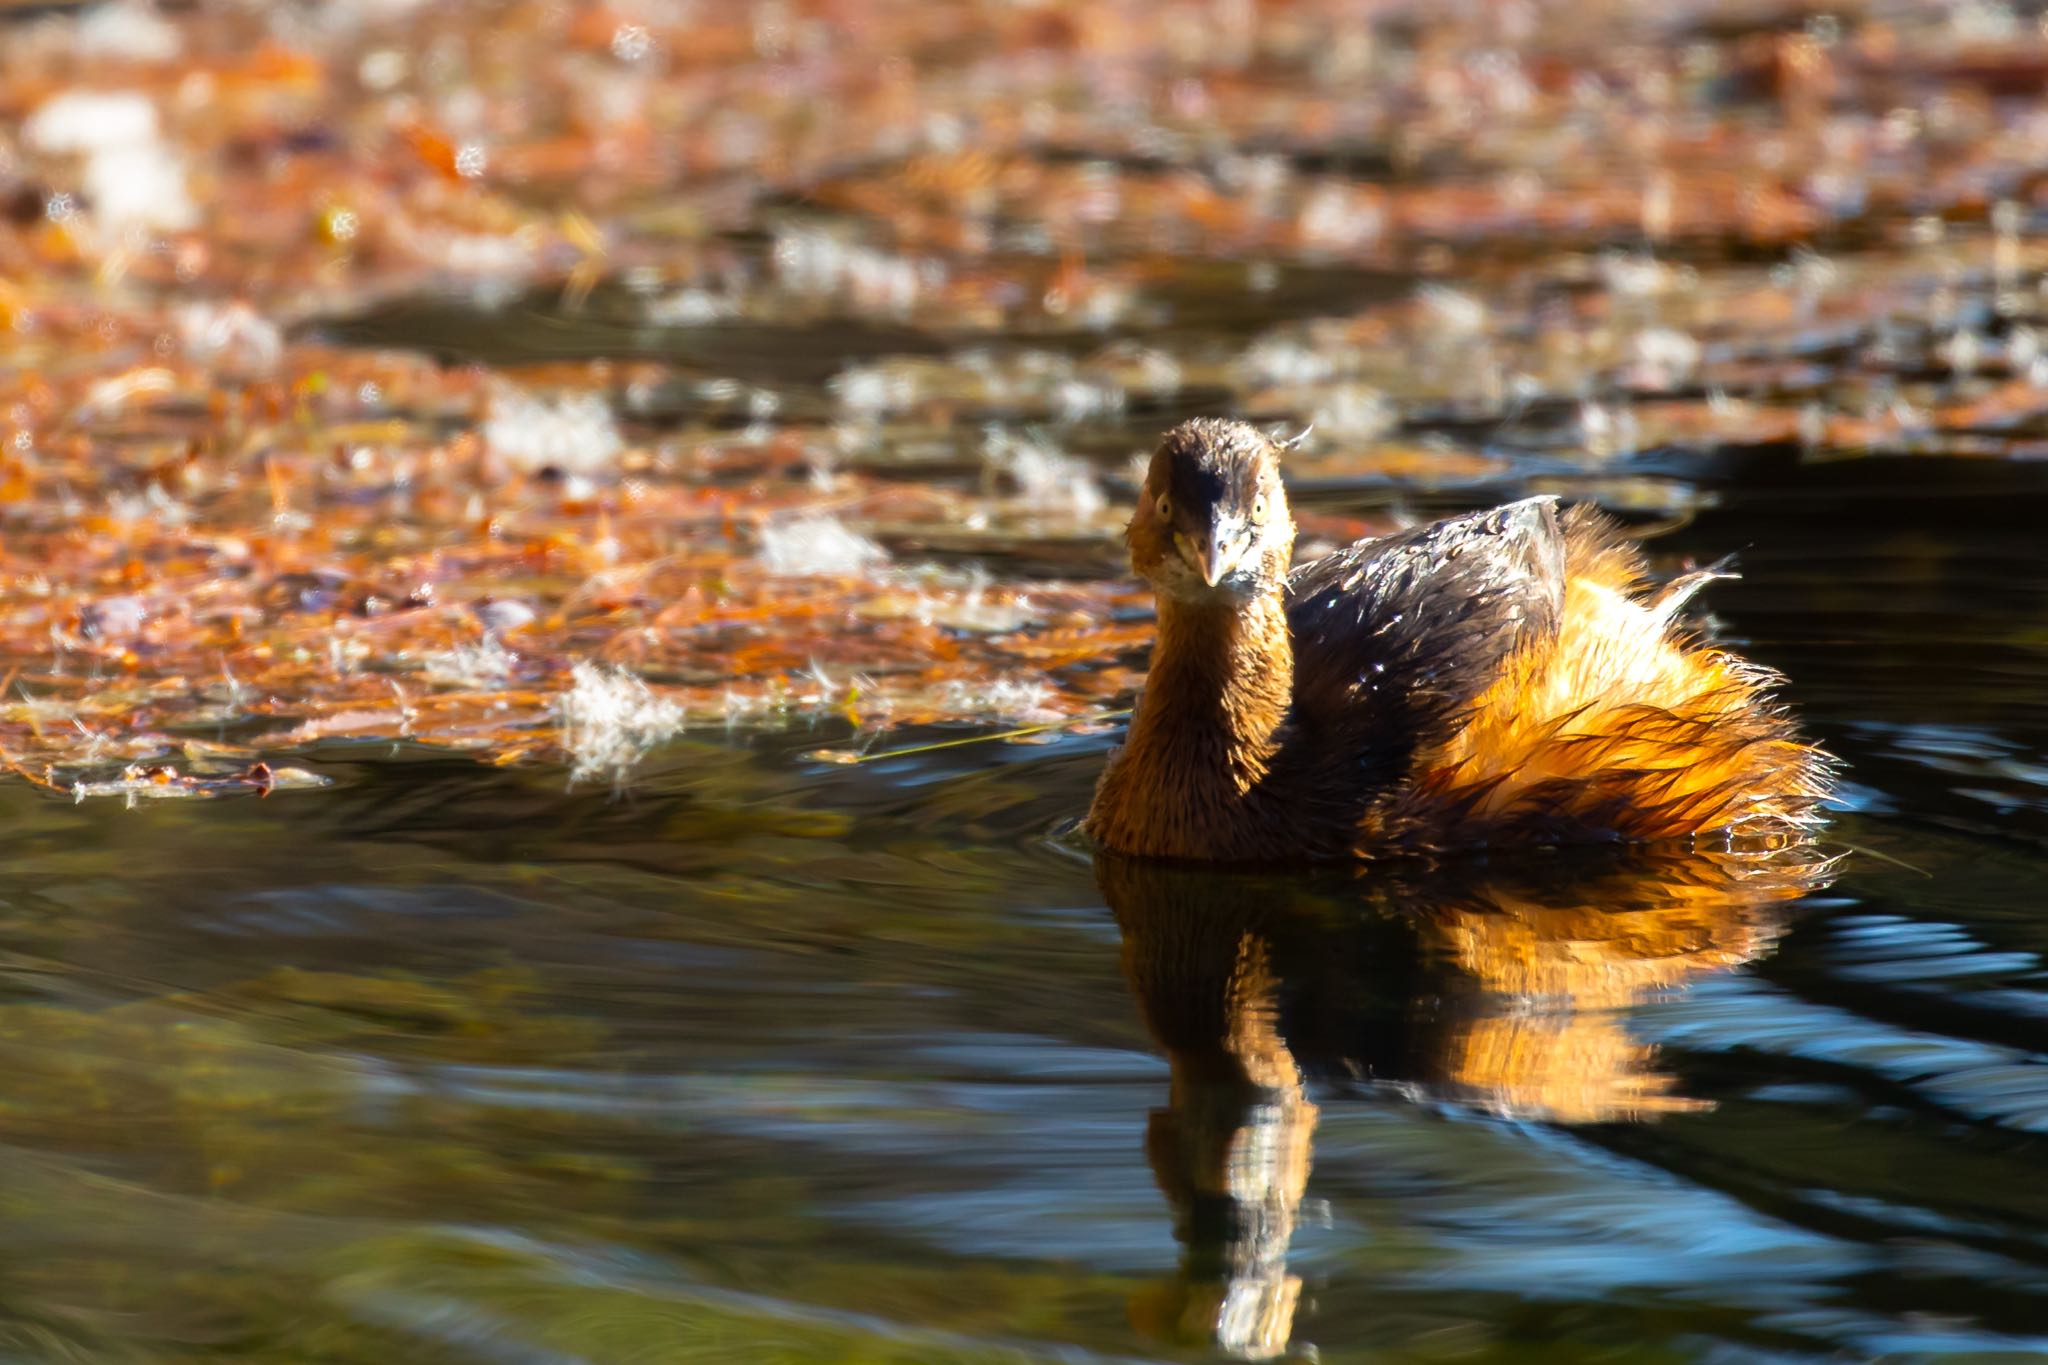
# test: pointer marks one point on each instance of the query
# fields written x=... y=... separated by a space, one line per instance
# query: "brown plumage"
x=1506 y=677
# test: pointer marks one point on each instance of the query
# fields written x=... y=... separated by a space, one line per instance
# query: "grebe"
x=1501 y=678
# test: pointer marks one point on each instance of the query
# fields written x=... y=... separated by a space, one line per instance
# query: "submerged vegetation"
x=541 y=380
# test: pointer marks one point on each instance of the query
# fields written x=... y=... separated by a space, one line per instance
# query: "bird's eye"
x=1164 y=507
x=1259 y=508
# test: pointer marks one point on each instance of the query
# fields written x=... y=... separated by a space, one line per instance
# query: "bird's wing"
x=1394 y=637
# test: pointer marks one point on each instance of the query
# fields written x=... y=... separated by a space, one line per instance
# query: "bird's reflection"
x=1493 y=988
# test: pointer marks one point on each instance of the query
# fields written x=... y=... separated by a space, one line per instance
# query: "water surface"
x=769 y=1059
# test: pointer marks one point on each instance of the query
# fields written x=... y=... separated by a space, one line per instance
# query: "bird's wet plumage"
x=1503 y=677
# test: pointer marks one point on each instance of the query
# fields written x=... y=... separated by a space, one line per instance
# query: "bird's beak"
x=1212 y=555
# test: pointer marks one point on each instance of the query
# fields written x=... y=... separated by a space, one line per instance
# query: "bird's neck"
x=1207 y=729
x=1223 y=675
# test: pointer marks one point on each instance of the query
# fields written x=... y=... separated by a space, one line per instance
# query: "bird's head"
x=1212 y=523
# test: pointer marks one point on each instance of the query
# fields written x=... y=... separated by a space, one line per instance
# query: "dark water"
x=767 y=1060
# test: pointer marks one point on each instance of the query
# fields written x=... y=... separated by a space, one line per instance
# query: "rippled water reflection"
x=770 y=1059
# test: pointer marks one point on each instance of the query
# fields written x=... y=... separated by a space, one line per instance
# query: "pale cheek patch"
x=1173 y=577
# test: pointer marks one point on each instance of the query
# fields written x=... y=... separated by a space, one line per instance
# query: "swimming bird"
x=1507 y=677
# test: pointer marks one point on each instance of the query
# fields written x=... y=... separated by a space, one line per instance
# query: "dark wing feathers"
x=1395 y=637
